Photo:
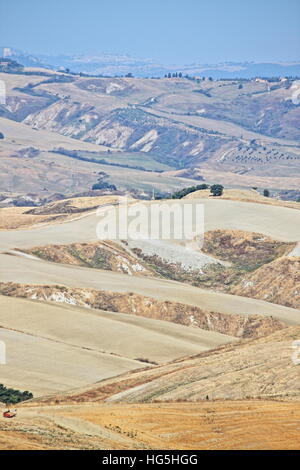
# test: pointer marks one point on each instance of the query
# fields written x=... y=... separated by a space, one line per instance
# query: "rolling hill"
x=116 y=64
x=215 y=425
x=53 y=347
x=134 y=344
x=248 y=369
x=139 y=131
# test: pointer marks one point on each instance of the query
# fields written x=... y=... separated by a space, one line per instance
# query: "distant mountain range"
x=114 y=65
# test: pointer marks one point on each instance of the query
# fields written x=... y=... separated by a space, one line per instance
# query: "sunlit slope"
x=29 y=271
x=255 y=368
x=55 y=347
x=224 y=131
x=278 y=222
x=19 y=134
x=214 y=425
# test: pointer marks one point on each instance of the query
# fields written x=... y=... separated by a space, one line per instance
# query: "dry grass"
x=246 y=250
x=60 y=346
x=209 y=425
x=77 y=204
x=12 y=218
x=246 y=195
x=19 y=269
x=106 y=255
x=42 y=139
x=253 y=368
x=277 y=282
x=214 y=426
x=252 y=326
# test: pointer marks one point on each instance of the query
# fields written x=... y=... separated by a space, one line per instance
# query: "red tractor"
x=9 y=414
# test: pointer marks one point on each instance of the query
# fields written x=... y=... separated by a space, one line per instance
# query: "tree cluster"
x=10 y=395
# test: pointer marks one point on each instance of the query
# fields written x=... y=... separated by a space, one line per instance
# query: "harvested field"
x=236 y=425
x=54 y=347
x=254 y=368
x=251 y=326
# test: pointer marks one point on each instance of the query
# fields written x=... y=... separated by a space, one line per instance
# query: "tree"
x=266 y=193
x=1 y=135
x=104 y=185
x=191 y=189
x=10 y=395
x=217 y=189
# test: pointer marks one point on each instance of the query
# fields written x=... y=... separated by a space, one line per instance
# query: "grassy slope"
x=219 y=425
x=247 y=369
x=55 y=347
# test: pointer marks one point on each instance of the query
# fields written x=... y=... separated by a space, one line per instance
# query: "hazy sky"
x=171 y=31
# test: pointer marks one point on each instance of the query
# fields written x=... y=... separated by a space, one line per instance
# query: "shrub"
x=217 y=189
x=10 y=395
x=191 y=189
x=104 y=185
